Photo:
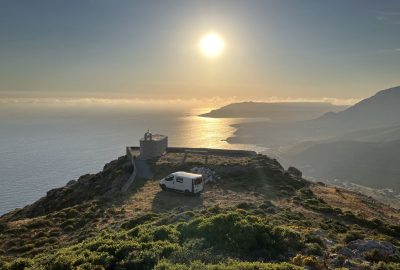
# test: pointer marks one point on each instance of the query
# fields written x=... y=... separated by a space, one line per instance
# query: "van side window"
x=179 y=179
x=169 y=178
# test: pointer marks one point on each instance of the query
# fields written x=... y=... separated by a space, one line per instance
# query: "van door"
x=179 y=183
x=197 y=185
x=169 y=181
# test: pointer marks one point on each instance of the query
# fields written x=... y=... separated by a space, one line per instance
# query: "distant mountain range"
x=359 y=144
x=379 y=111
x=279 y=111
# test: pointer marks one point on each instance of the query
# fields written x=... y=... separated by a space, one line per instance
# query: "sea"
x=44 y=146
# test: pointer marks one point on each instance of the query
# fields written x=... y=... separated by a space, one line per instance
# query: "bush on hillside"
x=233 y=265
x=244 y=234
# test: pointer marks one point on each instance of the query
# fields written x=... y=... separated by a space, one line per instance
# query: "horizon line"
x=71 y=101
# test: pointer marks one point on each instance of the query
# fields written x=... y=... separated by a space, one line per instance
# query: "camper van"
x=189 y=183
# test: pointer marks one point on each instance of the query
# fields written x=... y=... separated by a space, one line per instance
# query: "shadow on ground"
x=168 y=200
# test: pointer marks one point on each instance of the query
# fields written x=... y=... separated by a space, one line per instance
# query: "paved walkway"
x=143 y=169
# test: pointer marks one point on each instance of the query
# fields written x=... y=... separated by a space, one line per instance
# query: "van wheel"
x=163 y=187
x=187 y=192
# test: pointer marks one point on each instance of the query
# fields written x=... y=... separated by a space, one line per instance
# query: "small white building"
x=153 y=145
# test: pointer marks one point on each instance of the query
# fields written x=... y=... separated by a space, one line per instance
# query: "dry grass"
x=215 y=160
x=151 y=198
x=148 y=196
x=352 y=201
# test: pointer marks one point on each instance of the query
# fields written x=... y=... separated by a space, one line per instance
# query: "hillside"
x=372 y=164
x=358 y=144
x=385 y=134
x=274 y=111
x=378 y=111
x=255 y=215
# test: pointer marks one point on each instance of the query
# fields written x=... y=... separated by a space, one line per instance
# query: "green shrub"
x=3 y=226
x=245 y=234
x=312 y=238
x=335 y=226
x=386 y=266
x=314 y=249
x=69 y=228
x=20 y=264
x=212 y=236
x=72 y=213
x=302 y=260
x=245 y=205
x=232 y=265
x=139 y=220
x=61 y=263
x=39 y=223
x=165 y=233
x=193 y=250
x=353 y=235
x=308 y=199
x=375 y=255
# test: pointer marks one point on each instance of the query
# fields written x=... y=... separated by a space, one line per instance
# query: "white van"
x=189 y=183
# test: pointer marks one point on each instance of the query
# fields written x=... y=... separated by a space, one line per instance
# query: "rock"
x=71 y=182
x=54 y=192
x=335 y=260
x=296 y=173
x=384 y=248
x=208 y=174
x=345 y=251
x=333 y=255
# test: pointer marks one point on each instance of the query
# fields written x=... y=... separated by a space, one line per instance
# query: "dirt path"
x=143 y=169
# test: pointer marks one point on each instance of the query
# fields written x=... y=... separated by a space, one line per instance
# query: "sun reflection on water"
x=207 y=132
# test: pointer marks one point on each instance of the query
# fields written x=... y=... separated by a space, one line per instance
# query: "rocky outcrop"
x=208 y=174
x=294 y=172
x=364 y=251
x=366 y=248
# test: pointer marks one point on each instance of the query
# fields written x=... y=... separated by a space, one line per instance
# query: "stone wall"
x=210 y=151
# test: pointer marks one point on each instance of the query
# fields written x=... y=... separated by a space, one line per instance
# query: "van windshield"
x=198 y=181
x=169 y=178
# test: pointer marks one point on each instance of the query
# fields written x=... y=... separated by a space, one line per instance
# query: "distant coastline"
x=274 y=111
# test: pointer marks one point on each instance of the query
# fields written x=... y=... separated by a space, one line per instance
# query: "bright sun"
x=212 y=45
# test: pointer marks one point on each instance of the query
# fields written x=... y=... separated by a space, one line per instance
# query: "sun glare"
x=211 y=45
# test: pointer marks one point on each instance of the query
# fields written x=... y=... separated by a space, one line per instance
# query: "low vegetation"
x=257 y=216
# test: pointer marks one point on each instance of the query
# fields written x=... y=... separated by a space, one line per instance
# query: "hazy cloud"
x=392 y=17
x=385 y=51
x=137 y=102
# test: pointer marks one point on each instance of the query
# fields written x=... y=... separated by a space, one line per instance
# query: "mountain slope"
x=378 y=111
x=385 y=134
x=367 y=163
x=256 y=216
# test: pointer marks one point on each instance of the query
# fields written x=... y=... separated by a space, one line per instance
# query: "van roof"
x=187 y=174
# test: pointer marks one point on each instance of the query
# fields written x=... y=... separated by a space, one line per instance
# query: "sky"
x=282 y=49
